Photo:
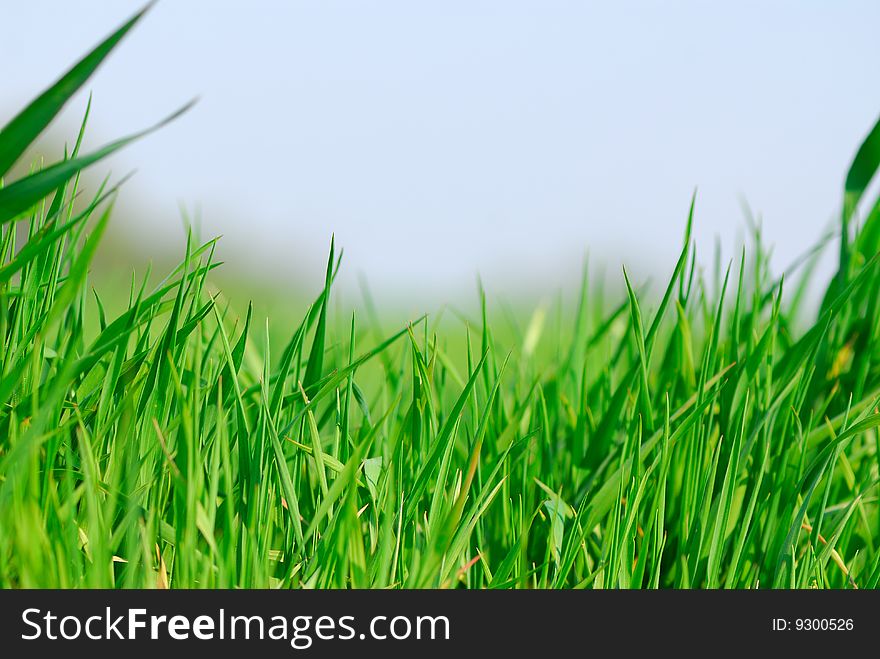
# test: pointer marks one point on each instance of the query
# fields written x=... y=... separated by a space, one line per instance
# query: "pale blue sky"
x=441 y=139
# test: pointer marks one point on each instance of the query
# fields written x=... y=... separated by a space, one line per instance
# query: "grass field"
x=712 y=430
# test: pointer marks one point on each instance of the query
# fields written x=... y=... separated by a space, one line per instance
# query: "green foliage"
x=711 y=437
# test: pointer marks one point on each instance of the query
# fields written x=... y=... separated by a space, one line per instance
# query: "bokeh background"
x=439 y=140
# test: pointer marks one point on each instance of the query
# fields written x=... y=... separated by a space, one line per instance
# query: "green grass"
x=713 y=431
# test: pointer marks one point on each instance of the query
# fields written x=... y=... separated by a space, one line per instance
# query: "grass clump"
x=719 y=434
